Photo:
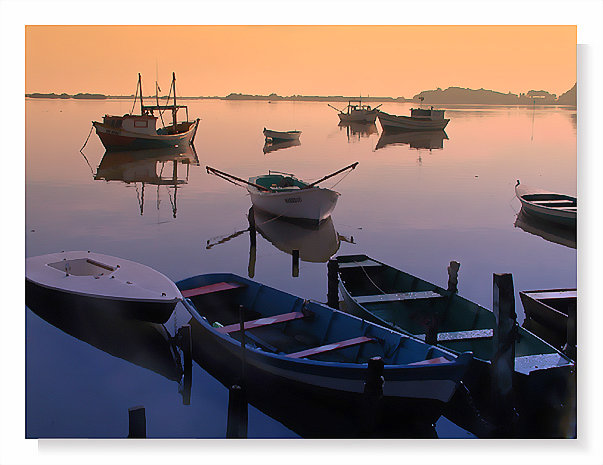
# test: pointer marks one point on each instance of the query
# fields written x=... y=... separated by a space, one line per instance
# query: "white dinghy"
x=94 y=282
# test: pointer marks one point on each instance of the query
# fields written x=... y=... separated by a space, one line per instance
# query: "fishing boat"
x=405 y=303
x=430 y=140
x=135 y=132
x=420 y=119
x=281 y=135
x=550 y=206
x=547 y=313
x=357 y=112
x=269 y=334
x=98 y=283
x=284 y=195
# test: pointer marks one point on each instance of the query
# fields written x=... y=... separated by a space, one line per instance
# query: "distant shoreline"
x=450 y=96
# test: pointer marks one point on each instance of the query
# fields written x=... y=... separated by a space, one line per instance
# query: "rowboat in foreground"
x=287 y=339
x=547 y=313
x=281 y=135
x=284 y=195
x=98 y=283
x=135 y=132
x=550 y=206
x=420 y=119
x=357 y=112
x=384 y=295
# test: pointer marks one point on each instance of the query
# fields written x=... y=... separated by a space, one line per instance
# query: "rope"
x=369 y=278
x=87 y=138
x=344 y=176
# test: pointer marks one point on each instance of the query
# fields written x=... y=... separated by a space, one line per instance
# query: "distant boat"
x=431 y=140
x=281 y=135
x=93 y=282
x=282 y=194
x=357 y=112
x=549 y=206
x=315 y=348
x=273 y=145
x=420 y=119
x=135 y=132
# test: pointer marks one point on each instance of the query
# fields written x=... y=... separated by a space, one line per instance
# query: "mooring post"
x=453 y=276
x=373 y=393
x=252 y=243
x=503 y=362
x=295 y=263
x=571 y=343
x=185 y=343
x=332 y=284
x=242 y=331
x=236 y=426
x=137 y=422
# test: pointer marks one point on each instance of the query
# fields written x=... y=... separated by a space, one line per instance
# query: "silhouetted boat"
x=549 y=206
x=92 y=282
x=135 y=132
x=551 y=232
x=272 y=145
x=281 y=135
x=405 y=303
x=318 y=349
x=357 y=112
x=419 y=119
x=431 y=140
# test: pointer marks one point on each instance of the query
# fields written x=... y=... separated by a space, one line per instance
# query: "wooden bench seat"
x=366 y=299
x=462 y=335
x=432 y=361
x=270 y=320
x=330 y=347
x=363 y=263
x=552 y=202
x=211 y=288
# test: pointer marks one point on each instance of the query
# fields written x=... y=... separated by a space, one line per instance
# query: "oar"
x=377 y=106
x=352 y=166
x=340 y=111
x=222 y=174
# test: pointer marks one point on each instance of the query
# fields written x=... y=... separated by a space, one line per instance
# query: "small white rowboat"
x=550 y=206
x=281 y=135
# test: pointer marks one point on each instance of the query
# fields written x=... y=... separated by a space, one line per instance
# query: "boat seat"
x=462 y=335
x=568 y=294
x=543 y=202
x=529 y=363
x=363 y=263
x=432 y=361
x=270 y=320
x=365 y=299
x=211 y=288
x=330 y=347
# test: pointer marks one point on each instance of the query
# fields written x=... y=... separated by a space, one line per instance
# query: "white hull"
x=282 y=135
x=558 y=215
x=314 y=204
x=393 y=122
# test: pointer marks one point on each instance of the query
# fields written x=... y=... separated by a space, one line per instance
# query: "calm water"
x=414 y=208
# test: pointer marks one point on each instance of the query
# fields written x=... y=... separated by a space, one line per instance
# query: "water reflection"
x=546 y=230
x=156 y=167
x=303 y=241
x=355 y=130
x=432 y=140
x=272 y=145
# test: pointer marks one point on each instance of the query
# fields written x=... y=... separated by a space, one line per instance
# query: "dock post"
x=332 y=284
x=571 y=343
x=295 y=263
x=373 y=393
x=236 y=426
x=137 y=422
x=453 y=276
x=252 y=243
x=503 y=361
x=242 y=331
x=185 y=343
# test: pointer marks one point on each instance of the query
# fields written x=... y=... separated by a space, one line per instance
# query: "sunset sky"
x=308 y=60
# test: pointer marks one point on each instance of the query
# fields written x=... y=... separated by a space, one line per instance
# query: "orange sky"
x=308 y=60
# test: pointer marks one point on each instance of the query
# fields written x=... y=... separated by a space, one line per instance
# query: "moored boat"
x=420 y=119
x=553 y=207
x=281 y=135
x=136 y=132
x=323 y=351
x=98 y=283
x=356 y=112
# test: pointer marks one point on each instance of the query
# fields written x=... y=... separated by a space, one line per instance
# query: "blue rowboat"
x=315 y=348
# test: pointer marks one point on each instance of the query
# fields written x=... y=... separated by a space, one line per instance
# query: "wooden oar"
x=352 y=166
x=340 y=111
x=219 y=173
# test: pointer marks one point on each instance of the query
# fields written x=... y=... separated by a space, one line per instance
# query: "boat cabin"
x=356 y=105
x=425 y=113
x=145 y=124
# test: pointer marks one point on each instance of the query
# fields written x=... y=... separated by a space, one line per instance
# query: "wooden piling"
x=137 y=422
x=252 y=243
x=453 y=279
x=332 y=284
x=185 y=343
x=236 y=426
x=242 y=332
x=373 y=393
x=571 y=343
x=295 y=263
x=503 y=362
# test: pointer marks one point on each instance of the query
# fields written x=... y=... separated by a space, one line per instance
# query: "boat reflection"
x=356 y=130
x=272 y=145
x=148 y=167
x=548 y=231
x=303 y=241
x=431 y=140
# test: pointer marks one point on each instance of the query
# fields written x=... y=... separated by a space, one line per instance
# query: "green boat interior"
x=280 y=182
x=402 y=301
